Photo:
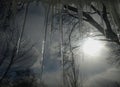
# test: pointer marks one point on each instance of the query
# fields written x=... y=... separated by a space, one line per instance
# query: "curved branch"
x=90 y=20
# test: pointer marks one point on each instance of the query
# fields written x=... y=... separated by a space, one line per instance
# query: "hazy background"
x=98 y=72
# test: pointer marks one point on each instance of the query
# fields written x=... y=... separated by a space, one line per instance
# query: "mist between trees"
x=67 y=24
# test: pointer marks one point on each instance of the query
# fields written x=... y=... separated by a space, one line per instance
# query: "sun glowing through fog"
x=92 y=47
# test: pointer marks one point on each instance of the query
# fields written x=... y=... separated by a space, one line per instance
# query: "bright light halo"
x=92 y=47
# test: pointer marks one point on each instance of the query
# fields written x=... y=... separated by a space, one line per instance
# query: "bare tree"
x=108 y=33
x=13 y=52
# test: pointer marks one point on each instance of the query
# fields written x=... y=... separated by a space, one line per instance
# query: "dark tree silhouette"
x=109 y=33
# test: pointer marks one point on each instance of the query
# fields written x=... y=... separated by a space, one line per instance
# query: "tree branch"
x=109 y=32
x=89 y=19
x=96 y=10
